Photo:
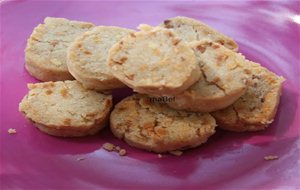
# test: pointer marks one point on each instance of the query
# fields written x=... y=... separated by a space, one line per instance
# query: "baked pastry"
x=46 y=50
x=154 y=62
x=87 y=57
x=222 y=82
x=257 y=107
x=65 y=108
x=191 y=30
x=158 y=128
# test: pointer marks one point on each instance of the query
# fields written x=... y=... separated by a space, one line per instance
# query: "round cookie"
x=257 y=107
x=158 y=128
x=154 y=62
x=191 y=30
x=222 y=82
x=46 y=50
x=65 y=108
x=87 y=57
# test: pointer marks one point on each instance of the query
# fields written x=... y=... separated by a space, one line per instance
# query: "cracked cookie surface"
x=154 y=62
x=65 y=108
x=87 y=57
x=191 y=30
x=256 y=109
x=46 y=50
x=158 y=128
x=223 y=80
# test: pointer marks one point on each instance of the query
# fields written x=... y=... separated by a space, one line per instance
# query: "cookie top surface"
x=257 y=106
x=156 y=127
x=47 y=45
x=64 y=103
x=193 y=30
x=87 y=55
x=223 y=71
x=154 y=61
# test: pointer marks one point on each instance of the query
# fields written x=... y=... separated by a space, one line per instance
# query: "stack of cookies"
x=188 y=78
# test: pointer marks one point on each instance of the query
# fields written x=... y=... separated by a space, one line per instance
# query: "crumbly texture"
x=154 y=62
x=158 y=128
x=87 y=57
x=257 y=107
x=223 y=80
x=65 y=108
x=46 y=50
x=191 y=30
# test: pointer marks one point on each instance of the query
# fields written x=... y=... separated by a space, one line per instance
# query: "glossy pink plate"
x=267 y=32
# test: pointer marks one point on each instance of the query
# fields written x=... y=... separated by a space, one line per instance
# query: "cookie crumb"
x=159 y=155
x=122 y=152
x=80 y=158
x=271 y=157
x=111 y=147
x=108 y=146
x=12 y=131
x=176 y=152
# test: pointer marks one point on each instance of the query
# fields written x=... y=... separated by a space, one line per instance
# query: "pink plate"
x=267 y=32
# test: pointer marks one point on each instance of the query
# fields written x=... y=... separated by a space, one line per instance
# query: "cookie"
x=256 y=109
x=154 y=62
x=158 y=128
x=191 y=30
x=87 y=57
x=223 y=80
x=65 y=108
x=46 y=50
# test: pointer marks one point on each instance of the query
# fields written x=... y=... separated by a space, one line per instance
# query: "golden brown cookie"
x=46 y=50
x=256 y=109
x=65 y=108
x=154 y=62
x=158 y=128
x=222 y=82
x=87 y=57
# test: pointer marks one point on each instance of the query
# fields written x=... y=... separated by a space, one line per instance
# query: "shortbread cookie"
x=46 y=50
x=154 y=62
x=65 y=108
x=158 y=128
x=193 y=30
x=87 y=57
x=223 y=79
x=257 y=107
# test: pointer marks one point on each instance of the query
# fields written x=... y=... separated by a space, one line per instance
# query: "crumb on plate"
x=122 y=152
x=12 y=131
x=80 y=158
x=271 y=157
x=111 y=147
x=108 y=146
x=176 y=152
